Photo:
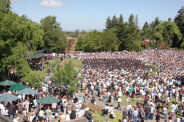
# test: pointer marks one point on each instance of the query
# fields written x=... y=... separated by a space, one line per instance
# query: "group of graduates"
x=149 y=77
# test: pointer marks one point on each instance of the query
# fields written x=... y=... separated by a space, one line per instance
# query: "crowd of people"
x=151 y=76
x=27 y=109
x=152 y=79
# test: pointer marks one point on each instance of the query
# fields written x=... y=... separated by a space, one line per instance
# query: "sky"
x=92 y=14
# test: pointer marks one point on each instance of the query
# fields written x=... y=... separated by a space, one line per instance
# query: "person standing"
x=165 y=111
x=130 y=114
x=141 y=115
x=11 y=111
x=98 y=91
x=119 y=103
x=152 y=112
x=158 y=117
x=135 y=113
x=48 y=114
x=124 y=117
x=2 y=109
x=170 y=117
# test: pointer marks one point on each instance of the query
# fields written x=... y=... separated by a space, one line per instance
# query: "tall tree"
x=80 y=42
x=136 y=20
x=4 y=5
x=147 y=32
x=110 y=41
x=169 y=19
x=146 y=25
x=169 y=33
x=66 y=76
x=179 y=20
x=54 y=38
x=129 y=37
x=108 y=23
x=131 y=20
x=15 y=29
x=114 y=21
x=155 y=22
x=121 y=20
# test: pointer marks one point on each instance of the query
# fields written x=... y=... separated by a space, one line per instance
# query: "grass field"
x=52 y=63
x=75 y=62
x=132 y=101
x=99 y=118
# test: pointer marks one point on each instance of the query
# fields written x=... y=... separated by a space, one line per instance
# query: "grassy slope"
x=52 y=63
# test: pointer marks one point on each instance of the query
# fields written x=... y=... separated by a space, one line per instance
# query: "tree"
x=146 y=25
x=80 y=42
x=4 y=6
x=169 y=19
x=13 y=31
x=108 y=23
x=169 y=33
x=55 y=39
x=147 y=32
x=114 y=21
x=98 y=41
x=34 y=79
x=155 y=23
x=129 y=37
x=66 y=76
x=136 y=20
x=19 y=59
x=110 y=41
x=179 y=20
x=93 y=41
x=121 y=20
x=31 y=35
x=131 y=20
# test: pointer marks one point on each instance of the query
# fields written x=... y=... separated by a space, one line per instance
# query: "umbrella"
x=27 y=91
x=7 y=83
x=17 y=87
x=8 y=97
x=48 y=100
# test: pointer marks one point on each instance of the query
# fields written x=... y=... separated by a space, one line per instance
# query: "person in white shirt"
x=67 y=117
x=165 y=112
x=119 y=103
x=119 y=93
x=173 y=108
x=2 y=109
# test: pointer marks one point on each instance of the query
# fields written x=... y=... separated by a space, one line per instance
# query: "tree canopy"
x=168 y=32
x=20 y=37
x=66 y=76
x=55 y=39
x=97 y=41
x=179 y=20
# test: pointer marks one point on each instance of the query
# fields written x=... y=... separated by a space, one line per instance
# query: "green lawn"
x=132 y=101
x=52 y=63
x=76 y=63
x=99 y=118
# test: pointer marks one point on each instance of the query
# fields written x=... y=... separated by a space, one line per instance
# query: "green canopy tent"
x=8 y=97
x=17 y=87
x=7 y=83
x=48 y=100
x=27 y=91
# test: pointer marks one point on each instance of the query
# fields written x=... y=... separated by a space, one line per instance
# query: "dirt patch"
x=94 y=107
